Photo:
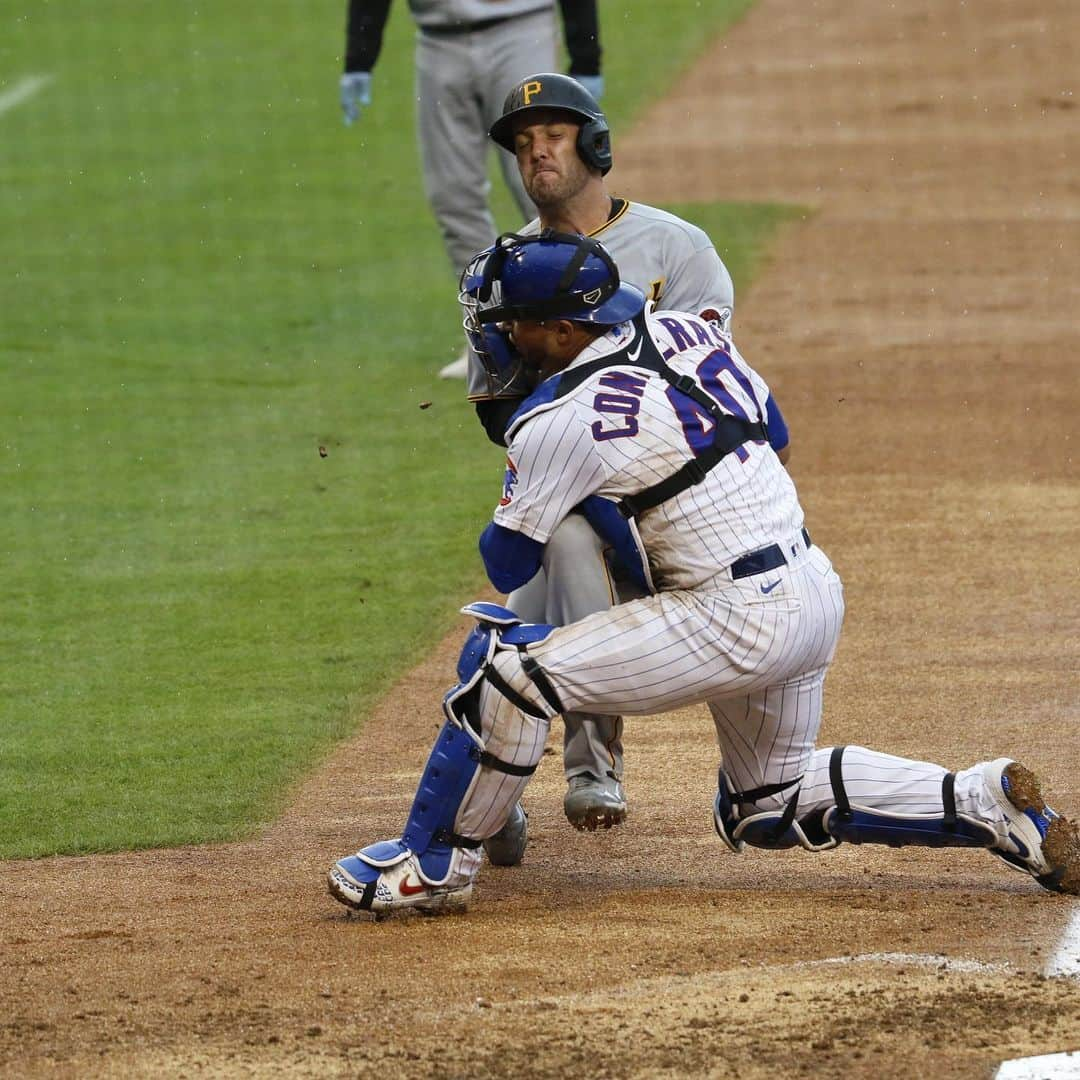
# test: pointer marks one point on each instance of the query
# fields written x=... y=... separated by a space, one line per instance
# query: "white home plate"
x=1047 y=1067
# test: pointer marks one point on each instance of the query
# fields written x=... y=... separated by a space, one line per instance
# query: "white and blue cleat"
x=1040 y=841
x=360 y=883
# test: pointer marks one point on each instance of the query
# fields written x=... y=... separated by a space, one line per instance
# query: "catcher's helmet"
x=550 y=91
x=550 y=276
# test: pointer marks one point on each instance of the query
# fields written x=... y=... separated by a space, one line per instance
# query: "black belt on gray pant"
x=465 y=28
x=762 y=561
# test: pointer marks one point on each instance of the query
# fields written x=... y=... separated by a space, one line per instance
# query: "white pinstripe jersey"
x=671 y=261
x=624 y=428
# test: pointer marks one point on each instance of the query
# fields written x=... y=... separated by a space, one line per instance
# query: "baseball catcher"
x=561 y=142
x=655 y=424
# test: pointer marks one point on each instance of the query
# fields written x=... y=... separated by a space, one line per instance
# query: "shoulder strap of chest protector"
x=729 y=433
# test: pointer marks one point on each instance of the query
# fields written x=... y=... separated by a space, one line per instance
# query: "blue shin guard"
x=428 y=832
x=429 y=829
x=867 y=825
x=862 y=826
x=457 y=756
x=843 y=822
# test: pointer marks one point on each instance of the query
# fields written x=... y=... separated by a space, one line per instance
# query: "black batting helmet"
x=550 y=91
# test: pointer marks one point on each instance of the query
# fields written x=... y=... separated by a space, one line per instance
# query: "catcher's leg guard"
x=430 y=867
x=489 y=746
x=867 y=825
x=773 y=829
x=506 y=700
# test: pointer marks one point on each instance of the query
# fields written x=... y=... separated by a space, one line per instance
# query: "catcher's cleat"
x=385 y=890
x=507 y=846
x=1040 y=841
x=594 y=804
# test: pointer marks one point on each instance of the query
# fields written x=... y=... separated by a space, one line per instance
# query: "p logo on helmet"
x=529 y=90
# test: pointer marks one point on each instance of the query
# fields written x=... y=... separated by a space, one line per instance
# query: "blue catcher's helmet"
x=554 y=276
x=549 y=276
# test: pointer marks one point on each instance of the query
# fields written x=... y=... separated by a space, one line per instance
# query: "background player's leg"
x=499 y=58
x=511 y=51
x=453 y=146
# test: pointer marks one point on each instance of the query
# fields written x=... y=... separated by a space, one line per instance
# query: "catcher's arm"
x=779 y=438
x=494 y=414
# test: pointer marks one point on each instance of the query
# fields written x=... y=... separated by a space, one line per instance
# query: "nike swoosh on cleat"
x=410 y=890
x=766 y=589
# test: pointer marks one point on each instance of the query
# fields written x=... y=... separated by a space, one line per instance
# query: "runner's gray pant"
x=573 y=583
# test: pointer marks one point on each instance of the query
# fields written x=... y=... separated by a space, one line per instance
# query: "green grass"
x=206 y=278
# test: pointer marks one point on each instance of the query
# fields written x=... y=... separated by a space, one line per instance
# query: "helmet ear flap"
x=594 y=145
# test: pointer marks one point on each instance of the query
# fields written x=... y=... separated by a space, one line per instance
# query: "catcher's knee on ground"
x=739 y=819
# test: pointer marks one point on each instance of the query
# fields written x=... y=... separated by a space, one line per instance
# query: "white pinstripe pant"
x=756 y=650
x=759 y=660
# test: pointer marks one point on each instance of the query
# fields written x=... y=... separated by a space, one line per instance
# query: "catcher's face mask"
x=480 y=292
x=535 y=278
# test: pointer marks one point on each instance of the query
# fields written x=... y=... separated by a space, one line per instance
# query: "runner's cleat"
x=456 y=369
x=594 y=804
x=1040 y=841
x=359 y=885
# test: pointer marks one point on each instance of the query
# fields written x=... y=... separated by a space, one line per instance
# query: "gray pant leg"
x=574 y=583
x=453 y=146
x=461 y=82
x=514 y=50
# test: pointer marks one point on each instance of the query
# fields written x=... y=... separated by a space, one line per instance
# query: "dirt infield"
x=920 y=328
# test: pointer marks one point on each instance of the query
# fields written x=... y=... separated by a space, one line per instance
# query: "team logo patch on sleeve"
x=720 y=317
x=509 y=482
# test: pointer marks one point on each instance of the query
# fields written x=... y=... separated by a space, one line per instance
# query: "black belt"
x=761 y=562
x=465 y=28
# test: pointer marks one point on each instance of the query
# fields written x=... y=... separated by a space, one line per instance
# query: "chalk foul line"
x=22 y=91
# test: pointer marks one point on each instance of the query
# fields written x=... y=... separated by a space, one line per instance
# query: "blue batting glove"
x=593 y=83
x=355 y=92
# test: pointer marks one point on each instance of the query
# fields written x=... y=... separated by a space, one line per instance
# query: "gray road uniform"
x=675 y=264
x=469 y=53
